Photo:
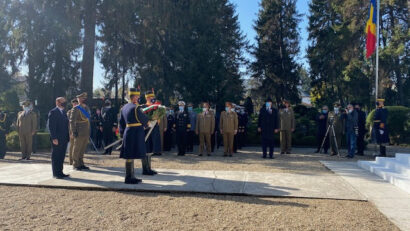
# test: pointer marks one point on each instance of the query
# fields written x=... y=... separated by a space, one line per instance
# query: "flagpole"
x=377 y=48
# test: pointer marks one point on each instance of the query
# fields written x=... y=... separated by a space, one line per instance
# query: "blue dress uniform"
x=380 y=128
x=182 y=125
x=132 y=123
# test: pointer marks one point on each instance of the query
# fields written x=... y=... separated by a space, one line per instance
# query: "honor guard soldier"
x=132 y=124
x=4 y=129
x=109 y=125
x=26 y=128
x=74 y=104
x=380 y=126
x=183 y=125
x=286 y=127
x=154 y=140
x=80 y=128
x=229 y=128
x=205 y=126
x=336 y=118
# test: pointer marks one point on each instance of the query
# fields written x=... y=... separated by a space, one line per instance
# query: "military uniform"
x=191 y=132
x=268 y=123
x=338 y=124
x=26 y=127
x=4 y=129
x=163 y=128
x=205 y=126
x=182 y=125
x=286 y=127
x=242 y=123
x=154 y=140
x=381 y=129
x=80 y=127
x=228 y=125
x=169 y=134
x=71 y=147
x=97 y=134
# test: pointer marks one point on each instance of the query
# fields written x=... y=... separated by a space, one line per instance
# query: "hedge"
x=398 y=123
x=13 y=142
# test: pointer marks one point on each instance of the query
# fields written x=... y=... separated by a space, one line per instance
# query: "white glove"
x=381 y=132
x=152 y=124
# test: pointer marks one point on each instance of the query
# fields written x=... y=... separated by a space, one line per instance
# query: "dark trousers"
x=190 y=141
x=235 y=143
x=351 y=143
x=241 y=140
x=212 y=142
x=34 y=145
x=382 y=150
x=168 y=140
x=57 y=158
x=108 y=139
x=319 y=139
x=181 y=141
x=153 y=143
x=2 y=145
x=99 y=139
x=268 y=142
x=360 y=143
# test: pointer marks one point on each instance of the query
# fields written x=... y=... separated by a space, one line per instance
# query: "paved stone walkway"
x=172 y=180
x=393 y=202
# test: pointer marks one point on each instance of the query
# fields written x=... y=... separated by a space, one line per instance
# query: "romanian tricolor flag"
x=371 y=29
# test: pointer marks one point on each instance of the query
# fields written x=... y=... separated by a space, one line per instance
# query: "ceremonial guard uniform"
x=205 y=126
x=183 y=125
x=380 y=126
x=154 y=140
x=4 y=129
x=109 y=125
x=229 y=127
x=337 y=118
x=26 y=128
x=132 y=124
x=74 y=103
x=80 y=127
x=286 y=127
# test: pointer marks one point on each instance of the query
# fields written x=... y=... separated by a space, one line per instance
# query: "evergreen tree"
x=276 y=50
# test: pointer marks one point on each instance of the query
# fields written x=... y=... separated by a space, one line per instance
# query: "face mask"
x=286 y=109
x=350 y=110
x=171 y=112
x=181 y=108
x=227 y=109
x=205 y=109
x=189 y=109
x=324 y=111
x=268 y=104
x=336 y=109
x=26 y=109
x=232 y=109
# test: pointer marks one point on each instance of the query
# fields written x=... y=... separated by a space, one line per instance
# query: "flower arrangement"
x=155 y=111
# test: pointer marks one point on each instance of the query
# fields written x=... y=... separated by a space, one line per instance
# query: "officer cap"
x=150 y=94
x=268 y=100
x=26 y=103
x=107 y=101
x=285 y=101
x=83 y=95
x=336 y=104
x=74 y=101
x=134 y=91
x=380 y=100
x=181 y=103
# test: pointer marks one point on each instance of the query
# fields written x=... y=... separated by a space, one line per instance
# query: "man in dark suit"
x=58 y=126
x=268 y=126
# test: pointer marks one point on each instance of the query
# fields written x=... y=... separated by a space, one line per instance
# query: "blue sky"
x=247 y=11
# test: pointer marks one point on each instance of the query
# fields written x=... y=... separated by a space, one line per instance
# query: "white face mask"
x=350 y=110
x=205 y=109
x=26 y=109
x=336 y=109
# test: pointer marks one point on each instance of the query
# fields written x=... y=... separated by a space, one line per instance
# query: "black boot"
x=129 y=173
x=149 y=166
x=145 y=167
x=382 y=150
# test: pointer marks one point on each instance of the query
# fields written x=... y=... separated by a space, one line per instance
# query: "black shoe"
x=78 y=168
x=349 y=157
x=153 y=171
x=84 y=167
x=230 y=155
x=264 y=157
x=381 y=155
x=200 y=154
x=225 y=155
x=282 y=153
x=132 y=181
x=271 y=157
x=317 y=151
x=58 y=177
x=65 y=175
x=28 y=158
x=209 y=154
x=157 y=154
x=287 y=152
x=333 y=154
x=22 y=159
x=148 y=173
x=180 y=154
x=325 y=152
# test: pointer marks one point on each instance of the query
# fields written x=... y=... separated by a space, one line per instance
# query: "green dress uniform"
x=205 y=125
x=80 y=128
x=26 y=127
x=4 y=129
x=286 y=125
x=71 y=147
x=339 y=124
x=228 y=124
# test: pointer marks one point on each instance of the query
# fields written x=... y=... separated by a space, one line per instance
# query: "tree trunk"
x=87 y=65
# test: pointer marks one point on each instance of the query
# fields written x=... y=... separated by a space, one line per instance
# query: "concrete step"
x=403 y=158
x=389 y=174
x=395 y=165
